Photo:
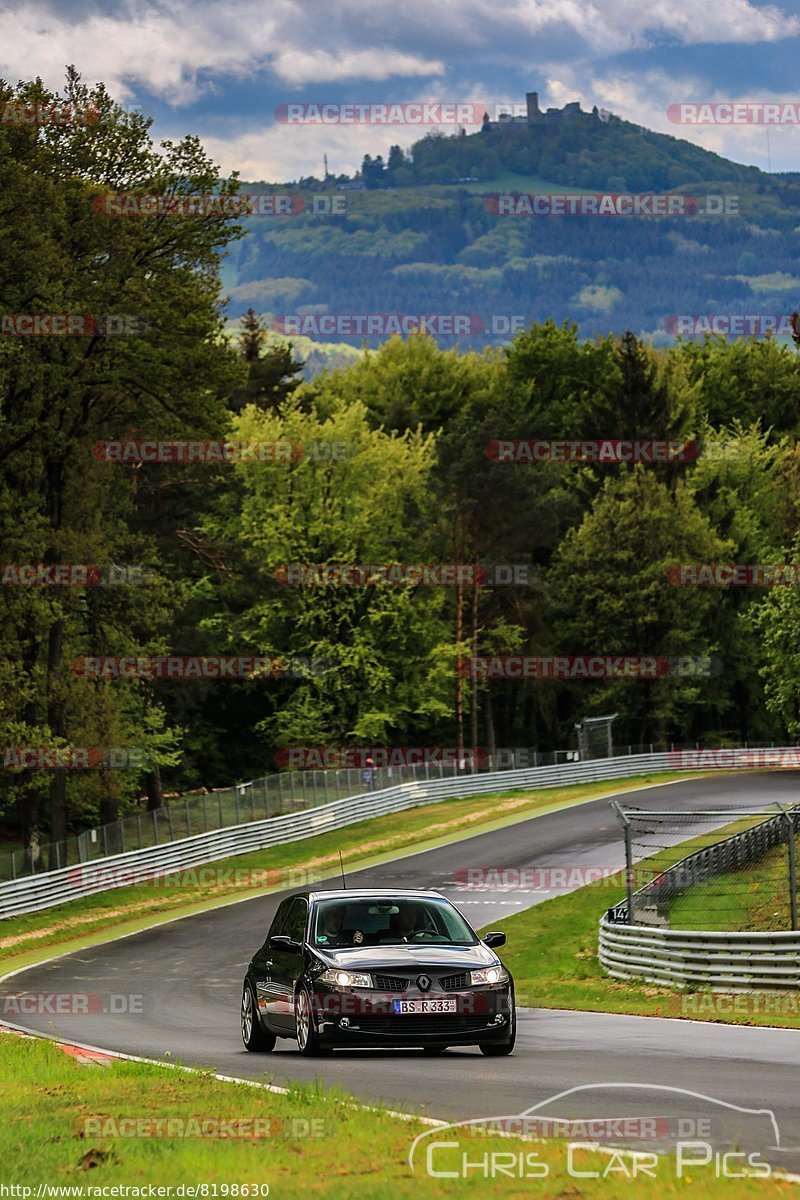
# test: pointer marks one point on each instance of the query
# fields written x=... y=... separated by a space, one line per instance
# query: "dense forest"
x=387 y=463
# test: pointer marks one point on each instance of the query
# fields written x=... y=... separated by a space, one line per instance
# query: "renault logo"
x=423 y=982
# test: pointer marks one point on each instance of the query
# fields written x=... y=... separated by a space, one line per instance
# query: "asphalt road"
x=174 y=992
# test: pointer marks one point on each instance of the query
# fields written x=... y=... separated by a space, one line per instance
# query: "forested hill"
x=425 y=236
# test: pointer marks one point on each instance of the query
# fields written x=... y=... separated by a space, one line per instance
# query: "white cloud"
x=304 y=66
x=179 y=52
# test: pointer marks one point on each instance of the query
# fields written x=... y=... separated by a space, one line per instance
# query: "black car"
x=377 y=968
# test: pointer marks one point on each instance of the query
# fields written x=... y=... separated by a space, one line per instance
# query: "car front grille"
x=390 y=983
x=454 y=983
x=411 y=1025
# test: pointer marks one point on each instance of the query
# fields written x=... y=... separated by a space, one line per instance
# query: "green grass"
x=65 y=1124
x=79 y=923
x=756 y=898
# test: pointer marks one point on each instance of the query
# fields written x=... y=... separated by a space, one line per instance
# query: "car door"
x=287 y=965
x=264 y=965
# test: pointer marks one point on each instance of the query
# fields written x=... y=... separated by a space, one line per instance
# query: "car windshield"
x=384 y=921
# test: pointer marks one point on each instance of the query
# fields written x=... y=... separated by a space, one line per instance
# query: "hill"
x=425 y=237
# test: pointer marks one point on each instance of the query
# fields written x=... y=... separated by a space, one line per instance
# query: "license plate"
x=405 y=1007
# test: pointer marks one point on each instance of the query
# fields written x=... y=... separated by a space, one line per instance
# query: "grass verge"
x=72 y=1127
x=553 y=954
x=27 y=939
x=755 y=898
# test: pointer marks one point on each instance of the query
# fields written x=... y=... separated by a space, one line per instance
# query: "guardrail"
x=35 y=892
x=734 y=961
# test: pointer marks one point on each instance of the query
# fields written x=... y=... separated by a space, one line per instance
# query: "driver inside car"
x=332 y=931
x=405 y=923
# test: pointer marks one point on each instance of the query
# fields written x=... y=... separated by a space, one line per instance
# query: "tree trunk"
x=155 y=792
x=474 y=697
x=459 y=676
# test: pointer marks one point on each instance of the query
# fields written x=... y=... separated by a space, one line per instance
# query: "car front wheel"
x=308 y=1042
x=254 y=1037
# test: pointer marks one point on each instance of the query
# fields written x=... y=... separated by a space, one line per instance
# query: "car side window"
x=279 y=920
x=296 y=921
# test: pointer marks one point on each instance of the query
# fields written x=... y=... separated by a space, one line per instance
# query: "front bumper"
x=359 y=1017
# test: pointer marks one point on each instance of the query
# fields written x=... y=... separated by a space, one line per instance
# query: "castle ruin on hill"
x=534 y=115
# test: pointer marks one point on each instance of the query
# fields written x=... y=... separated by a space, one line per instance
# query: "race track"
x=188 y=974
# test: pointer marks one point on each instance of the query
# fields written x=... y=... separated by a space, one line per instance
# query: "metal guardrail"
x=271 y=796
x=33 y=893
x=36 y=892
x=734 y=961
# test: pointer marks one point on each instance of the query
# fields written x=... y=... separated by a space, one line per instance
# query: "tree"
x=610 y=595
x=273 y=375
x=60 y=395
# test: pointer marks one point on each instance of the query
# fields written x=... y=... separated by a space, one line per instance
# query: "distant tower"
x=325 y=159
x=532 y=104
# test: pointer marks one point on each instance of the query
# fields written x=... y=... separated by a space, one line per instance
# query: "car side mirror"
x=280 y=941
x=495 y=939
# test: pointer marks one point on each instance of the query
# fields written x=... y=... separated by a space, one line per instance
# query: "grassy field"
x=26 y=939
x=757 y=898
x=552 y=953
x=133 y=1124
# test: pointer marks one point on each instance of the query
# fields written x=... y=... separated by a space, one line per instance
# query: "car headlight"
x=489 y=975
x=346 y=978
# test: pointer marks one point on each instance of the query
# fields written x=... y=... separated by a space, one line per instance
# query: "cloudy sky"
x=221 y=69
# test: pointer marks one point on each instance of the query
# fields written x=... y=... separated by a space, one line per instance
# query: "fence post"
x=266 y=793
x=626 y=828
x=139 y=827
x=155 y=826
x=188 y=818
x=13 y=864
x=792 y=867
x=122 y=836
x=236 y=798
x=219 y=806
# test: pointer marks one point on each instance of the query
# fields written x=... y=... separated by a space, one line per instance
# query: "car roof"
x=369 y=893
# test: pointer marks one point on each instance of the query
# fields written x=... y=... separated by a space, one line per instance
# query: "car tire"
x=255 y=1038
x=434 y=1050
x=308 y=1042
x=497 y=1049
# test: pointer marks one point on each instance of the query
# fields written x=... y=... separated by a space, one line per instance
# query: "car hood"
x=408 y=958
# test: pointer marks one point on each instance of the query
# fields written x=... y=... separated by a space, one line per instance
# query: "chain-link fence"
x=731 y=870
x=283 y=792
